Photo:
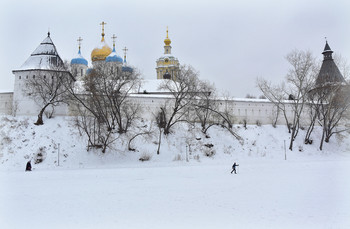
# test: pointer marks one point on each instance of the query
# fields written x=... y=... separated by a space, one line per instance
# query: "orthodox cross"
x=79 y=42
x=167 y=32
x=125 y=50
x=103 y=28
x=113 y=38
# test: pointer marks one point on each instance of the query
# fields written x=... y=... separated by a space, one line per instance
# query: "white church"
x=44 y=60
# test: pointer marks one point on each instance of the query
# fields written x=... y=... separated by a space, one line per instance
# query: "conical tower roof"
x=45 y=56
x=329 y=72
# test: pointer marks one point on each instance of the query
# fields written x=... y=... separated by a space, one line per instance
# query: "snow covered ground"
x=90 y=190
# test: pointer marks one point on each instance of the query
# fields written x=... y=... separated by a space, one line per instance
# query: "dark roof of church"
x=329 y=72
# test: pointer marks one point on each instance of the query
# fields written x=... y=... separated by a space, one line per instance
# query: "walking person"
x=29 y=166
x=234 y=168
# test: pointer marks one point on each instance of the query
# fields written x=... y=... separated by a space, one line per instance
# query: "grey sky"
x=230 y=43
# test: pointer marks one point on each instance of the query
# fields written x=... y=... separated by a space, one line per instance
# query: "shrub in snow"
x=6 y=140
x=145 y=157
x=245 y=123
x=24 y=123
x=301 y=149
x=196 y=157
x=177 y=158
x=254 y=143
x=227 y=150
x=209 y=152
x=258 y=123
x=40 y=155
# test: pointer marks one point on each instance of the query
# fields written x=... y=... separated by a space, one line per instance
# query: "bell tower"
x=167 y=65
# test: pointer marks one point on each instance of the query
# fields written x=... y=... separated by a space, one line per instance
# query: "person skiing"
x=234 y=168
x=28 y=166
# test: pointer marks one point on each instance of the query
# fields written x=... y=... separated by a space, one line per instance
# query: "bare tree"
x=223 y=116
x=343 y=66
x=204 y=100
x=183 y=91
x=276 y=95
x=332 y=109
x=47 y=89
x=300 y=79
x=105 y=98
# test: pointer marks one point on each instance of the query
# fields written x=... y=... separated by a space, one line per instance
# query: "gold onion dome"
x=103 y=50
x=101 y=53
x=167 y=41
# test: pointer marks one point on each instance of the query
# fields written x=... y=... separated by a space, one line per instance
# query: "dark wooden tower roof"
x=329 y=72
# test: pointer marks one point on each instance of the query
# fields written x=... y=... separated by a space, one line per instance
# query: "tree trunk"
x=39 y=121
x=160 y=139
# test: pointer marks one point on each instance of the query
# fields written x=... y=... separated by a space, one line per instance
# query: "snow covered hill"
x=59 y=141
x=189 y=185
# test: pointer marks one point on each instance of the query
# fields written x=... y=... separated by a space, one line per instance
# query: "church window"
x=19 y=77
x=44 y=76
x=27 y=77
x=81 y=72
x=33 y=76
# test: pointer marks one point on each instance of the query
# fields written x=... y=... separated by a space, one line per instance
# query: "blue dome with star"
x=79 y=60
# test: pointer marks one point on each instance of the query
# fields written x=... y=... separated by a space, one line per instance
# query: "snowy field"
x=115 y=190
x=264 y=194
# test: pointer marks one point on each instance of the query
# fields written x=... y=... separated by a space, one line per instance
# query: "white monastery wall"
x=25 y=105
x=6 y=99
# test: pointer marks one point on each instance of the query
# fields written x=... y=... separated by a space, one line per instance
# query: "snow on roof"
x=45 y=56
x=151 y=86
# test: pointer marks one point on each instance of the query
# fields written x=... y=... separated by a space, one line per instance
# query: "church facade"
x=45 y=58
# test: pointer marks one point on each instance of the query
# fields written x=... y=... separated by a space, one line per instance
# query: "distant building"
x=45 y=61
x=167 y=65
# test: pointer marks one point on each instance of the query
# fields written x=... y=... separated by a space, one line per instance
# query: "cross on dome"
x=103 y=29
x=125 y=50
x=113 y=38
x=79 y=42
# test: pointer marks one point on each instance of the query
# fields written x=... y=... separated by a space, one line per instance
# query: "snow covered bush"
x=196 y=157
x=177 y=157
x=258 y=123
x=209 y=152
x=228 y=149
x=145 y=157
x=40 y=156
x=6 y=140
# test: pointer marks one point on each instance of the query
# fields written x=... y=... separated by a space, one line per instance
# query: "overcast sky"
x=230 y=42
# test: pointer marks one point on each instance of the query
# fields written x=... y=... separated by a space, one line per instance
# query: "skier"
x=234 y=168
x=28 y=166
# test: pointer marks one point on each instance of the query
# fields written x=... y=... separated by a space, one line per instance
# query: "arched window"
x=19 y=77
x=33 y=76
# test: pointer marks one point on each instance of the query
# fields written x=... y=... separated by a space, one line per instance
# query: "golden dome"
x=167 y=41
x=101 y=52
